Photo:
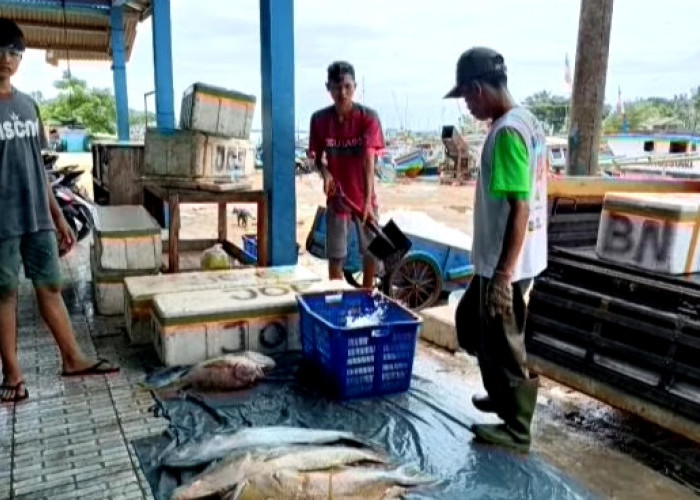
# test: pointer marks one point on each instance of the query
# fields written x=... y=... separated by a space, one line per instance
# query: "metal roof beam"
x=71 y=48
x=95 y=30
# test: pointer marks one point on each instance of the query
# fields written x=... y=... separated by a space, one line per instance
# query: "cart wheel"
x=415 y=283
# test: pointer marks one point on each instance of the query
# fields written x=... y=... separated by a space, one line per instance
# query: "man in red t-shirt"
x=349 y=134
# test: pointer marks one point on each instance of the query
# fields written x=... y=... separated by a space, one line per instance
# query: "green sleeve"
x=510 y=171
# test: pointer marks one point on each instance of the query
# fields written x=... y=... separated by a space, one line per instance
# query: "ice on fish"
x=218 y=445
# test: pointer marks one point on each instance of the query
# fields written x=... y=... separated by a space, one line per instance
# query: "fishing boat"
x=557 y=150
x=665 y=154
x=409 y=164
x=433 y=156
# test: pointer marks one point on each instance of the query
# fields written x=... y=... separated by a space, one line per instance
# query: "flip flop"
x=15 y=388
x=92 y=370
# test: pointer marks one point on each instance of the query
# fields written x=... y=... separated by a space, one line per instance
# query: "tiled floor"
x=71 y=438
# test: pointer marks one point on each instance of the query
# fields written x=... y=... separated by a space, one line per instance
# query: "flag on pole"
x=621 y=111
x=567 y=74
x=620 y=104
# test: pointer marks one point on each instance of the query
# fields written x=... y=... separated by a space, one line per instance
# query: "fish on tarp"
x=224 y=476
x=230 y=371
x=215 y=446
x=346 y=483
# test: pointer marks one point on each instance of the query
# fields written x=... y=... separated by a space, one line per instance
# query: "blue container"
x=358 y=361
x=250 y=246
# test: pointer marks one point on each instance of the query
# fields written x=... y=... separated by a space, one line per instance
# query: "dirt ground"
x=451 y=205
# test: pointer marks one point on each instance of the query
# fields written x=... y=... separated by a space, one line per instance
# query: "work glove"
x=499 y=296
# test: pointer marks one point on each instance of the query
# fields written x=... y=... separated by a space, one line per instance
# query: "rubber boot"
x=484 y=404
x=514 y=433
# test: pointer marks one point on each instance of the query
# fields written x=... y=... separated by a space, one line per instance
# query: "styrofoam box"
x=193 y=326
x=108 y=287
x=141 y=290
x=184 y=154
x=127 y=238
x=214 y=110
x=653 y=231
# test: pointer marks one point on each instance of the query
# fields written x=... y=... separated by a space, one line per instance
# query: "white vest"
x=491 y=214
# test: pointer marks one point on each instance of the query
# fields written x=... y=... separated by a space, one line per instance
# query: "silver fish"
x=215 y=446
x=347 y=483
x=230 y=371
x=225 y=475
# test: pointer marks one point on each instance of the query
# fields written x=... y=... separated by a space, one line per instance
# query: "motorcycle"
x=76 y=209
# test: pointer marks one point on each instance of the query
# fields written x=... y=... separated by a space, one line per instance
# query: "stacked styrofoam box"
x=193 y=155
x=653 y=231
x=140 y=291
x=193 y=326
x=214 y=110
x=127 y=242
x=213 y=141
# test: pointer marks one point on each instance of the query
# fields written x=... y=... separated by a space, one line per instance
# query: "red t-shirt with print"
x=346 y=144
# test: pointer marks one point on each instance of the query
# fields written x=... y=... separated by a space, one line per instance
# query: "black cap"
x=473 y=64
x=11 y=35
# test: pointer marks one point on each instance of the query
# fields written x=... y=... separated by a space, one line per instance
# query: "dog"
x=242 y=216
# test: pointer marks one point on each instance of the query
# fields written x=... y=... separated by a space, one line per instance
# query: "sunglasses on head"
x=11 y=52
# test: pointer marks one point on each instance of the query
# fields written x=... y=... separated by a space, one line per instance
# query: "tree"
x=551 y=110
x=95 y=109
x=679 y=113
x=138 y=121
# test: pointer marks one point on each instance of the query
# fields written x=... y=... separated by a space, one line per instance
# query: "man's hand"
x=328 y=184
x=499 y=296
x=66 y=238
x=367 y=212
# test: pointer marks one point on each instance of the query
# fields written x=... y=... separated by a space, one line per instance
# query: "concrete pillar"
x=277 y=64
x=589 y=86
x=163 y=65
x=119 y=72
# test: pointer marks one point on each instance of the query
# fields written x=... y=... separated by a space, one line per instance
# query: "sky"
x=405 y=51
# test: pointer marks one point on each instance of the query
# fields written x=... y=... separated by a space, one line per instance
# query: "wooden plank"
x=263 y=259
x=201 y=196
x=615 y=397
x=192 y=245
x=124 y=173
x=596 y=187
x=223 y=227
x=174 y=234
x=202 y=185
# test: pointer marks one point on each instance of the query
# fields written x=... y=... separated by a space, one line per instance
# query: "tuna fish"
x=226 y=475
x=227 y=372
x=214 y=446
x=347 y=483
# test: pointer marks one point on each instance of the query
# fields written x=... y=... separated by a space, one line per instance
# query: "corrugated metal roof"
x=80 y=32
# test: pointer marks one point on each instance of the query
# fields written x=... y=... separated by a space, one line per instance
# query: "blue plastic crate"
x=358 y=361
x=250 y=246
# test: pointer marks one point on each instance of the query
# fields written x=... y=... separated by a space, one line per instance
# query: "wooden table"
x=155 y=193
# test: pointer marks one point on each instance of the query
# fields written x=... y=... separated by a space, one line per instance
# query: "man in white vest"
x=509 y=250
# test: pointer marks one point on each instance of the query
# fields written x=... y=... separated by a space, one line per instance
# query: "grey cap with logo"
x=476 y=63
